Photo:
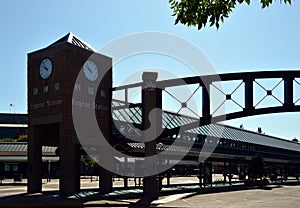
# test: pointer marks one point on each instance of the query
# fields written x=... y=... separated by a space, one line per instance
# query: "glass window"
x=77 y=87
x=45 y=89
x=35 y=91
x=6 y=167
x=91 y=90
x=56 y=86
x=103 y=93
x=15 y=167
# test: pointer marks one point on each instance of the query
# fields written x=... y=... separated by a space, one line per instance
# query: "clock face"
x=90 y=70
x=46 y=68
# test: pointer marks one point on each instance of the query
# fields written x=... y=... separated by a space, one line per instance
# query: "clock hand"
x=45 y=67
x=90 y=70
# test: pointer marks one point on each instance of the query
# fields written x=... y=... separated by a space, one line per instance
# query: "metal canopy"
x=133 y=115
x=20 y=148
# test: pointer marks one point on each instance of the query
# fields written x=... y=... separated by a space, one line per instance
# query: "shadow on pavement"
x=48 y=199
x=92 y=198
x=13 y=184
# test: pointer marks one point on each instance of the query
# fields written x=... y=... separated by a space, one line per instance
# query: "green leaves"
x=200 y=12
x=266 y=3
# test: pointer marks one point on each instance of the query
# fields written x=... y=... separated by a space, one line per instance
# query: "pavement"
x=14 y=195
x=283 y=197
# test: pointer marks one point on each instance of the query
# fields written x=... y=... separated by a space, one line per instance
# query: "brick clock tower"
x=52 y=74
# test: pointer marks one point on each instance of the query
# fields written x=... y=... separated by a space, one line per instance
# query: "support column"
x=151 y=99
x=34 y=161
x=69 y=183
x=206 y=116
x=230 y=173
x=225 y=172
x=125 y=178
x=105 y=176
x=249 y=95
x=105 y=181
x=288 y=93
x=125 y=182
x=210 y=174
x=201 y=174
x=169 y=174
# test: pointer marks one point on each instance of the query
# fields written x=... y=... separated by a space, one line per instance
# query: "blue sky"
x=251 y=39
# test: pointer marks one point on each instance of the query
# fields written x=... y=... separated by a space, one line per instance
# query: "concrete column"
x=34 y=161
x=151 y=99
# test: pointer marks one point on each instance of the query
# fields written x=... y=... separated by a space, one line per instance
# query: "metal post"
x=127 y=170
x=206 y=117
x=225 y=172
x=288 y=93
x=249 y=95
x=49 y=171
x=210 y=174
x=200 y=176
x=230 y=173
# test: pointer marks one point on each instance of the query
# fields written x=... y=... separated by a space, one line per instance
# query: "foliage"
x=90 y=162
x=257 y=167
x=199 y=12
x=7 y=140
x=21 y=138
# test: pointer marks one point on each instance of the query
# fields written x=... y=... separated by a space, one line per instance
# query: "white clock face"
x=90 y=70
x=46 y=68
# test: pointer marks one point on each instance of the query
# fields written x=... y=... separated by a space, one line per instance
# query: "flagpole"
x=11 y=106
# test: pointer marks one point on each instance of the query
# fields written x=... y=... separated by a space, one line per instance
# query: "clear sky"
x=251 y=39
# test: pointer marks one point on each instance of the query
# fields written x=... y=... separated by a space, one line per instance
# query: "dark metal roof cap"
x=71 y=38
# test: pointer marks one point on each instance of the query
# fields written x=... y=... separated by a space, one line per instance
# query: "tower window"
x=91 y=90
x=35 y=91
x=57 y=86
x=45 y=89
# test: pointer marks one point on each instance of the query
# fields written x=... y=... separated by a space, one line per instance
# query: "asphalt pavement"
x=14 y=195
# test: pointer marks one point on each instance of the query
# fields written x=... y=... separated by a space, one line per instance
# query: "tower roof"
x=71 y=38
